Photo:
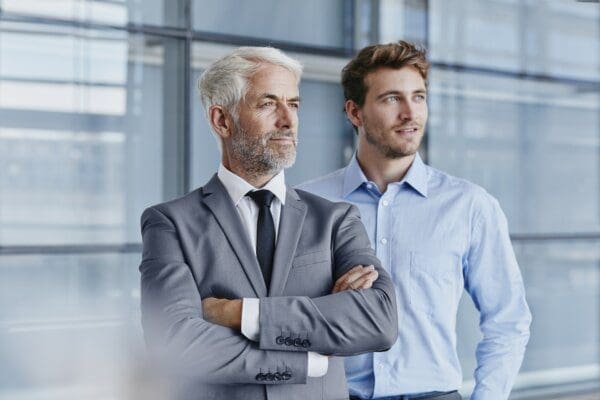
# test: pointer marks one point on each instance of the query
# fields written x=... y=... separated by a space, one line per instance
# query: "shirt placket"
x=383 y=241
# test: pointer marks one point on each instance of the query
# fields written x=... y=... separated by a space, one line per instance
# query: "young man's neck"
x=383 y=170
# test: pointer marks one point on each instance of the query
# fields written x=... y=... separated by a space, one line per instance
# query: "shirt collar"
x=353 y=177
x=237 y=187
x=416 y=176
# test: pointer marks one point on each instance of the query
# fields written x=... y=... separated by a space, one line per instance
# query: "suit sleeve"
x=342 y=324
x=175 y=332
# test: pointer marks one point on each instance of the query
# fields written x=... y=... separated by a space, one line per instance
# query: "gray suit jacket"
x=196 y=247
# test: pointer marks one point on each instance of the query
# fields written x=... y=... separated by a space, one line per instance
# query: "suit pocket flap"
x=311 y=258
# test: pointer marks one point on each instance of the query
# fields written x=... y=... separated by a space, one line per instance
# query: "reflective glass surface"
x=113 y=12
x=81 y=127
x=311 y=22
x=556 y=38
x=69 y=325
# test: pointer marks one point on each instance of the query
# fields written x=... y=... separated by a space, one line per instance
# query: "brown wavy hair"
x=391 y=55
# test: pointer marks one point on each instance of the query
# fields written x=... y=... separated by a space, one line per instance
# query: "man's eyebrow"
x=271 y=96
x=397 y=92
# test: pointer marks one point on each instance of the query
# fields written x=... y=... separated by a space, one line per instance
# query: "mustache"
x=410 y=125
x=282 y=135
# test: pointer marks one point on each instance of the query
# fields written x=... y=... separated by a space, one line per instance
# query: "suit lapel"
x=219 y=202
x=290 y=228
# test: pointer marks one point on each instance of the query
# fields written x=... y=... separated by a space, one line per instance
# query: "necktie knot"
x=262 y=198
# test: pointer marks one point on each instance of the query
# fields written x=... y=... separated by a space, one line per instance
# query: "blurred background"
x=99 y=118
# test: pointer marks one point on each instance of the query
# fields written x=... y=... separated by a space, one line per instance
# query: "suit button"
x=297 y=342
x=289 y=341
x=260 y=377
x=286 y=376
x=277 y=376
x=279 y=340
x=306 y=343
x=270 y=376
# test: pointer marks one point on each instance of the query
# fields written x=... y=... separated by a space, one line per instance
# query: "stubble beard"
x=257 y=157
x=409 y=148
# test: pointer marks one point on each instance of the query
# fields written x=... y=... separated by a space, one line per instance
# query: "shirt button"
x=385 y=203
x=384 y=241
x=369 y=186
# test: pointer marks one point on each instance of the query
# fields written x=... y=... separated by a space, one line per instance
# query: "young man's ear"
x=221 y=121
x=353 y=112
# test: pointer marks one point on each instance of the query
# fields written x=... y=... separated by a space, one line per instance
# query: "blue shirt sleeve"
x=494 y=282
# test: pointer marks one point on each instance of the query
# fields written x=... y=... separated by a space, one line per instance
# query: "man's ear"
x=220 y=121
x=353 y=112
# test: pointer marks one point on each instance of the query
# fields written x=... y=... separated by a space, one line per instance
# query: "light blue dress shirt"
x=437 y=234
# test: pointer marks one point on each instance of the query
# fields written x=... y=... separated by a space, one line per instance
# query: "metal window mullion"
x=187 y=106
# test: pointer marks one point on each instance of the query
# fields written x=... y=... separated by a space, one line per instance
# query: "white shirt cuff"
x=317 y=365
x=250 y=319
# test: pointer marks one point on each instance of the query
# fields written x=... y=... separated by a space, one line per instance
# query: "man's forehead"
x=405 y=78
x=272 y=80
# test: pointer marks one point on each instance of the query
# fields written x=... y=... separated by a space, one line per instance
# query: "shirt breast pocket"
x=435 y=282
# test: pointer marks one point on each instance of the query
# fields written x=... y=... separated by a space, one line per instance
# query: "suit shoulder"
x=315 y=201
x=175 y=206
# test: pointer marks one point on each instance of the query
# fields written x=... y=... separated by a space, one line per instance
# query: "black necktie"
x=265 y=232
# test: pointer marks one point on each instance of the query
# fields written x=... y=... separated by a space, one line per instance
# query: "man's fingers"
x=342 y=279
x=366 y=281
x=358 y=274
x=356 y=278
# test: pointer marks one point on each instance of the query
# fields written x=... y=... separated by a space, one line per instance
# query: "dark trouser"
x=454 y=395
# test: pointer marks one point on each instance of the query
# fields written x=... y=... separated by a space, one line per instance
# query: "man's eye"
x=294 y=105
x=420 y=97
x=267 y=104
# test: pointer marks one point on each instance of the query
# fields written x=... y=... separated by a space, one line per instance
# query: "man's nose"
x=406 y=112
x=285 y=117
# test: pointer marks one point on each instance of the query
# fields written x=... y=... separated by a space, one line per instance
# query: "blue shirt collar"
x=416 y=177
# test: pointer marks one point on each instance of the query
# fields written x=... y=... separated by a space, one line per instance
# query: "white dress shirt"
x=248 y=210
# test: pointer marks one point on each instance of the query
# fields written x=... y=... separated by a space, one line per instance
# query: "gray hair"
x=225 y=82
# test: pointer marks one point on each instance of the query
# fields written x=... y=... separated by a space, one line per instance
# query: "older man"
x=237 y=275
x=436 y=233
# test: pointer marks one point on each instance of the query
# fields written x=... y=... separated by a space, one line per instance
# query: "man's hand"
x=359 y=277
x=223 y=312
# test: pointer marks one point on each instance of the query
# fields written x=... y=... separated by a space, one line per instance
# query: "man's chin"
x=274 y=165
x=395 y=153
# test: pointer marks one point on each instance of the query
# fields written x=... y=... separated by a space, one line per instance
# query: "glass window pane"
x=311 y=22
x=401 y=19
x=114 y=12
x=73 y=330
x=534 y=145
x=557 y=38
x=564 y=296
x=81 y=133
